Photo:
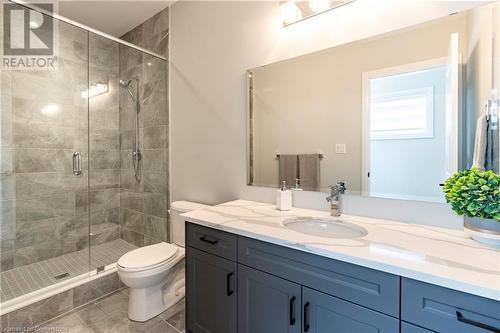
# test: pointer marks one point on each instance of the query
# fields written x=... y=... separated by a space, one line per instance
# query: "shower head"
x=125 y=84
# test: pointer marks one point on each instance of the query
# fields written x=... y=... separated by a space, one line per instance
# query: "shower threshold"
x=25 y=285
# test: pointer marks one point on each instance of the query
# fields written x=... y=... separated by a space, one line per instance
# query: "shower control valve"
x=136 y=155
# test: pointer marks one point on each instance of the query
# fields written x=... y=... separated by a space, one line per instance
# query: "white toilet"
x=155 y=273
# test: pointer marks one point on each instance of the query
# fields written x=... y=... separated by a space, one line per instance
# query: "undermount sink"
x=323 y=227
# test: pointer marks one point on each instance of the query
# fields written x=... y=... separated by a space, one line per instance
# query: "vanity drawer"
x=370 y=288
x=439 y=308
x=220 y=243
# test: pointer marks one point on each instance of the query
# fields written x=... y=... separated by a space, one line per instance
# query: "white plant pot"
x=486 y=231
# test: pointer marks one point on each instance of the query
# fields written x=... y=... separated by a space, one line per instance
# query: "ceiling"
x=112 y=17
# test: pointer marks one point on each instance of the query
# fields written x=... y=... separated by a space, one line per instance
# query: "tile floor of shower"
x=25 y=279
x=109 y=315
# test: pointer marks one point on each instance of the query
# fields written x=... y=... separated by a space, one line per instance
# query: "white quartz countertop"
x=444 y=257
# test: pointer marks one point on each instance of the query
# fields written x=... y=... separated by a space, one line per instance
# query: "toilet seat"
x=148 y=257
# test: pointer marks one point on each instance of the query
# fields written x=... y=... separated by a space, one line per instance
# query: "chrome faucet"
x=334 y=199
x=297 y=185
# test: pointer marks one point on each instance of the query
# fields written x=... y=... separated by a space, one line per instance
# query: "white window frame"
x=366 y=102
x=401 y=134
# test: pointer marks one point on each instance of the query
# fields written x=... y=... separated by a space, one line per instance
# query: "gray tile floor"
x=109 y=315
x=25 y=279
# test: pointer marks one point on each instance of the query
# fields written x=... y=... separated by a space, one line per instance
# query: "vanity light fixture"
x=319 y=6
x=290 y=12
x=94 y=90
x=295 y=11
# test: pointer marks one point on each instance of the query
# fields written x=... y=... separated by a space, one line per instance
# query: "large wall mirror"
x=392 y=116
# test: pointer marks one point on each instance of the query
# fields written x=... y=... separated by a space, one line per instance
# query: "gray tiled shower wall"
x=144 y=205
x=104 y=146
x=44 y=208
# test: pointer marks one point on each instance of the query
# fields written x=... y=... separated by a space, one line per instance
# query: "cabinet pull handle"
x=230 y=290
x=306 y=317
x=462 y=319
x=77 y=163
x=292 y=311
x=204 y=239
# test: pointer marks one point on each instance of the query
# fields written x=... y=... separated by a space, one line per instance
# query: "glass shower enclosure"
x=83 y=170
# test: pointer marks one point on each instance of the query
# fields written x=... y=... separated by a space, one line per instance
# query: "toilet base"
x=146 y=303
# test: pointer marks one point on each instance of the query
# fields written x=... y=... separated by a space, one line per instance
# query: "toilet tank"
x=177 y=223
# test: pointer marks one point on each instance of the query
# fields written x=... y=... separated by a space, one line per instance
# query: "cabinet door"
x=444 y=310
x=323 y=313
x=267 y=303
x=409 y=328
x=211 y=293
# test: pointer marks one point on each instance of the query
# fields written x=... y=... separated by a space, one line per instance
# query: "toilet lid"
x=146 y=256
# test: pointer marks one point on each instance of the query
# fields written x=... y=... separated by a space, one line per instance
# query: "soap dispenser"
x=283 y=198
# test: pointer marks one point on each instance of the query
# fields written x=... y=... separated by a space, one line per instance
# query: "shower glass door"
x=104 y=144
x=128 y=120
x=83 y=149
x=44 y=176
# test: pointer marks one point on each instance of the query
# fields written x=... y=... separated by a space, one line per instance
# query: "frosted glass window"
x=404 y=114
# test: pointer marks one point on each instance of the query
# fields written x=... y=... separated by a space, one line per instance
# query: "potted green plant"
x=476 y=195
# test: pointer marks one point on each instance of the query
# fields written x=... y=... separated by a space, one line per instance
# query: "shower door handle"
x=77 y=163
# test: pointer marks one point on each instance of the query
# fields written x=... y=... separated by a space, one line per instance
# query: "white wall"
x=480 y=78
x=212 y=45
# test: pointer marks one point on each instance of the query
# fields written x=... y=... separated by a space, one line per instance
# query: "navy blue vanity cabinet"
x=373 y=289
x=409 y=328
x=267 y=303
x=211 y=291
x=323 y=313
x=211 y=281
x=445 y=310
x=213 y=241
x=237 y=284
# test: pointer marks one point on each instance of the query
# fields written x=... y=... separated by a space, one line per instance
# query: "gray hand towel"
x=287 y=169
x=309 y=171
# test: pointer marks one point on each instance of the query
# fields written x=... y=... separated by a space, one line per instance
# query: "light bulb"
x=319 y=6
x=290 y=12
